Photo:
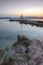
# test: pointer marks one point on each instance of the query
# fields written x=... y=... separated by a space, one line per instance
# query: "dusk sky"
x=21 y=7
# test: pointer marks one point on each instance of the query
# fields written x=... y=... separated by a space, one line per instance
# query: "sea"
x=10 y=30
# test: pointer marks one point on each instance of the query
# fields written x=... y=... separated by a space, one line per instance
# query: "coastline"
x=31 y=22
x=28 y=52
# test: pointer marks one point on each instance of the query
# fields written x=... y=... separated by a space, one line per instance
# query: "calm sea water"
x=10 y=30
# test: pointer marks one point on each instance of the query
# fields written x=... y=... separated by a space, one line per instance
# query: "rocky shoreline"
x=31 y=22
x=28 y=52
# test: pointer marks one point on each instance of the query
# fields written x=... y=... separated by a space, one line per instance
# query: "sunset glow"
x=21 y=7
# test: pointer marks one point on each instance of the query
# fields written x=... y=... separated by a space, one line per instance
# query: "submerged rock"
x=6 y=49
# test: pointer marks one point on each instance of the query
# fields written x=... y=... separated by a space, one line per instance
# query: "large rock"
x=22 y=37
x=32 y=50
x=22 y=40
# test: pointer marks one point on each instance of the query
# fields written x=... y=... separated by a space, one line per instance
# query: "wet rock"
x=26 y=43
x=38 y=60
x=31 y=62
x=1 y=53
x=20 y=49
x=22 y=40
x=22 y=37
x=32 y=50
x=16 y=60
x=27 y=50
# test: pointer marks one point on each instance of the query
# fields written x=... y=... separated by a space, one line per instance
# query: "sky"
x=21 y=7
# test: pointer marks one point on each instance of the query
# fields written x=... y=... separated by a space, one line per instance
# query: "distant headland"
x=26 y=20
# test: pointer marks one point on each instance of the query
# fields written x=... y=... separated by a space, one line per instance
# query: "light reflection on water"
x=10 y=30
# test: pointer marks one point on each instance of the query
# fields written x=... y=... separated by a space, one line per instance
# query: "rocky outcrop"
x=16 y=60
x=22 y=40
x=28 y=52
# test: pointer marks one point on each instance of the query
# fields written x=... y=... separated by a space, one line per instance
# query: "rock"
x=20 y=49
x=28 y=52
x=31 y=62
x=41 y=64
x=16 y=60
x=26 y=43
x=22 y=37
x=38 y=60
x=22 y=40
x=1 y=53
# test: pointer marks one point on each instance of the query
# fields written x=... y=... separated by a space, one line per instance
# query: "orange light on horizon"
x=31 y=12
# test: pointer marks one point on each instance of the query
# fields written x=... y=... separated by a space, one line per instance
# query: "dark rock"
x=28 y=50
x=22 y=40
x=26 y=43
x=22 y=37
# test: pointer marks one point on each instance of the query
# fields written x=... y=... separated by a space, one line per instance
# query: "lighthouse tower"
x=21 y=18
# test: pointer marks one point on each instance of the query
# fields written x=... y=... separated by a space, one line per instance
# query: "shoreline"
x=31 y=22
x=28 y=52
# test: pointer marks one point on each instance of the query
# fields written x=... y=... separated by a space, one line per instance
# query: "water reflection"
x=9 y=32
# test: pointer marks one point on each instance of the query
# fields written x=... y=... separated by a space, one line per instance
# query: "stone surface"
x=28 y=52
